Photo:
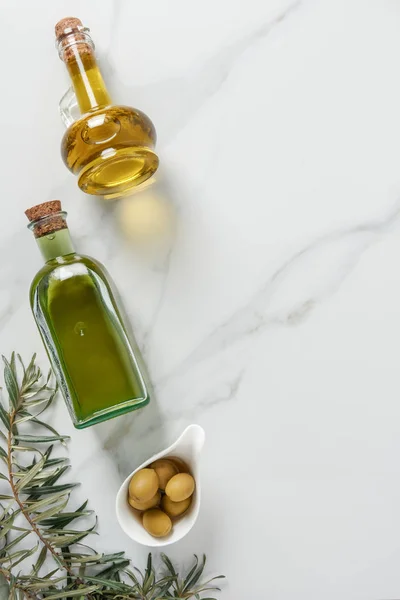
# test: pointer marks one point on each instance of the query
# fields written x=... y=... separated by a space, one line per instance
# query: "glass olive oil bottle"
x=110 y=147
x=97 y=366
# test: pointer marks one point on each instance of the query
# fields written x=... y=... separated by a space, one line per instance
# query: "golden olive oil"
x=110 y=148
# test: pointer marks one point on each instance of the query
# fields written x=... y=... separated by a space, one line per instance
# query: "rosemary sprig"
x=35 y=504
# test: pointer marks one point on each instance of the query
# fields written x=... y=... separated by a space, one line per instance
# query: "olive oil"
x=110 y=148
x=97 y=366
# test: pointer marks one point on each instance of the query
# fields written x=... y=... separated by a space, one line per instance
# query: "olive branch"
x=35 y=505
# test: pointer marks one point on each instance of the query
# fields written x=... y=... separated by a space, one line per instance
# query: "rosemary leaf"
x=40 y=439
x=59 y=541
x=24 y=556
x=109 y=583
x=61 y=438
x=16 y=554
x=44 y=490
x=33 y=506
x=63 y=518
x=56 y=475
x=196 y=575
x=11 y=383
x=40 y=561
x=52 y=462
x=4 y=416
x=17 y=540
x=84 y=591
x=191 y=572
x=54 y=510
x=4 y=588
x=168 y=563
x=113 y=569
x=31 y=474
x=45 y=583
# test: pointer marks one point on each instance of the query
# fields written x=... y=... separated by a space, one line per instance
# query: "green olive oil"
x=99 y=369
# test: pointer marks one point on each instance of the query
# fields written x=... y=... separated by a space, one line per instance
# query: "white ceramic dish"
x=187 y=447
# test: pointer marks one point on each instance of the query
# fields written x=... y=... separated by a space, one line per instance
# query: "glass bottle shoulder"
x=67 y=267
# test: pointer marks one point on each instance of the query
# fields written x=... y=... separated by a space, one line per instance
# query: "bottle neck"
x=55 y=245
x=87 y=80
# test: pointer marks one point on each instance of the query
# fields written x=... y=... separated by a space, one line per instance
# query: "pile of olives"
x=162 y=492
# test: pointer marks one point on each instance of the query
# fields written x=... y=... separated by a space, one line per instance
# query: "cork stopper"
x=46 y=218
x=72 y=38
x=65 y=24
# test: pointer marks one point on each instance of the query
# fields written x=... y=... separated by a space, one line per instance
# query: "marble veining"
x=260 y=272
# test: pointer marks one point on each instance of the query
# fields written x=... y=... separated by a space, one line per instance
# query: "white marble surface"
x=271 y=314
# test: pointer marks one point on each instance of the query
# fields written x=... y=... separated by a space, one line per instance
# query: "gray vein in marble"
x=205 y=404
x=163 y=289
x=276 y=303
x=192 y=91
x=143 y=427
x=184 y=96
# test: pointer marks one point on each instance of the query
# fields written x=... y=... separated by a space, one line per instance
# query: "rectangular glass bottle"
x=98 y=367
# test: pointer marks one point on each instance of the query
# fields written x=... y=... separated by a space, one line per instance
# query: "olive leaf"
x=10 y=380
x=4 y=587
x=37 y=505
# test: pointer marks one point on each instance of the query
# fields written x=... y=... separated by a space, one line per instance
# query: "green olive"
x=180 y=487
x=179 y=463
x=165 y=470
x=175 y=509
x=155 y=501
x=144 y=485
x=156 y=522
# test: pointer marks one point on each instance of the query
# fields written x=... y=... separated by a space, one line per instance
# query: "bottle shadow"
x=147 y=219
x=122 y=438
x=144 y=222
x=142 y=225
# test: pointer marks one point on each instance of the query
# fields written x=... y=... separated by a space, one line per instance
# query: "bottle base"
x=118 y=171
x=110 y=413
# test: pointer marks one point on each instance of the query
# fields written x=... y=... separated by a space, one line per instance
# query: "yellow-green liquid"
x=110 y=148
x=85 y=337
x=98 y=363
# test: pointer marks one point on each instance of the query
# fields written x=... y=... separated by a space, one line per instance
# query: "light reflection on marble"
x=269 y=313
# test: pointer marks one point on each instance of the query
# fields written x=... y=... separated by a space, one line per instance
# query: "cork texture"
x=43 y=210
x=44 y=221
x=73 y=39
x=67 y=23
